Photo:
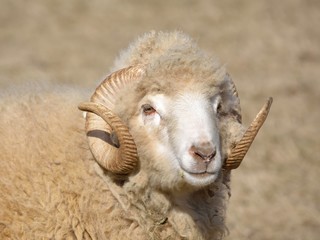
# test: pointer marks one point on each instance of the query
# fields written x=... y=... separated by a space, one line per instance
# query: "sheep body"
x=51 y=186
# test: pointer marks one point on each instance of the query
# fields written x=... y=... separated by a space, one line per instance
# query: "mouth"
x=199 y=174
x=199 y=179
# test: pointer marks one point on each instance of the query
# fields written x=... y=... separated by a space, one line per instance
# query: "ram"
x=152 y=159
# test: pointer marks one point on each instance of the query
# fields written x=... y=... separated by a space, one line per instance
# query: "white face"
x=186 y=132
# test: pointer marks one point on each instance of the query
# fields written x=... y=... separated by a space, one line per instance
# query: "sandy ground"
x=271 y=48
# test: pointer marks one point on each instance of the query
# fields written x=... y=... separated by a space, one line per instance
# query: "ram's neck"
x=194 y=215
x=197 y=215
x=202 y=212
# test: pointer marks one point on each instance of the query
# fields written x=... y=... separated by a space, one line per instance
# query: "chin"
x=199 y=180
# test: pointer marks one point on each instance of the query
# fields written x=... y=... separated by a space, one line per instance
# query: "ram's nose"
x=203 y=151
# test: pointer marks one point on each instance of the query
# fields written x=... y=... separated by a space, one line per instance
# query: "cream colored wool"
x=52 y=188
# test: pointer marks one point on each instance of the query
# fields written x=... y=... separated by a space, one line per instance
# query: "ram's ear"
x=230 y=98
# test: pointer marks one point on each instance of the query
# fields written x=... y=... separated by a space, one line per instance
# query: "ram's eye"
x=219 y=107
x=148 y=110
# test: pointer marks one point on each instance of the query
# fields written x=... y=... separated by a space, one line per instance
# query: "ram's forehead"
x=176 y=78
x=176 y=86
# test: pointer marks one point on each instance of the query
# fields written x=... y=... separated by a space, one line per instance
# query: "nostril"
x=213 y=153
x=203 y=152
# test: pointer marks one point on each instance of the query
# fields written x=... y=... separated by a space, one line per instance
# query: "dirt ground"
x=271 y=48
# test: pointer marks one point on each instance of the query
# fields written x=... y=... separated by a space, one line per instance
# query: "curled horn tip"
x=269 y=102
x=84 y=106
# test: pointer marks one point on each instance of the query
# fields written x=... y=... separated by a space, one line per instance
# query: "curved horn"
x=102 y=124
x=239 y=151
x=127 y=158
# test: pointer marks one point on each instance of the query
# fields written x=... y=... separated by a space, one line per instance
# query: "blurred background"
x=270 y=47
